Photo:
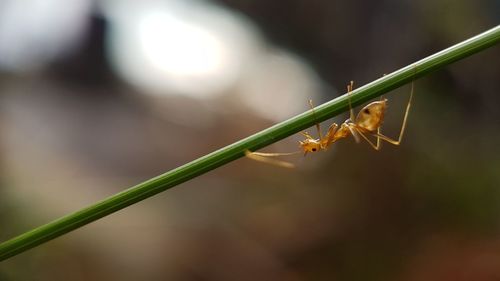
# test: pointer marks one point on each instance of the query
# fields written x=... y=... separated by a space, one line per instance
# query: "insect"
x=368 y=122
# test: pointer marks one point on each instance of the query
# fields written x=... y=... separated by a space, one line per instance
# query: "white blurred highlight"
x=182 y=49
x=179 y=47
x=34 y=32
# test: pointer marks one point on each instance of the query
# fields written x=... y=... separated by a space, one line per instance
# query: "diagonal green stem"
x=236 y=150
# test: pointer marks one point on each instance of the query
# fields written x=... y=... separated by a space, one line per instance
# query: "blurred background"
x=97 y=96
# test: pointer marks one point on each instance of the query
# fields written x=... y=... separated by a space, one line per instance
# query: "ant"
x=368 y=122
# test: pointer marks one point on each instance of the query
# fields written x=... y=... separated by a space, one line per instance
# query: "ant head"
x=310 y=145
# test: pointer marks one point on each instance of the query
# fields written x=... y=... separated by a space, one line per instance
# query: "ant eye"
x=314 y=149
x=367 y=111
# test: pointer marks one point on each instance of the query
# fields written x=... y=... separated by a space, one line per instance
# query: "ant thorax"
x=344 y=130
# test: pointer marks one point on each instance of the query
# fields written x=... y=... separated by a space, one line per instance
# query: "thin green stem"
x=236 y=150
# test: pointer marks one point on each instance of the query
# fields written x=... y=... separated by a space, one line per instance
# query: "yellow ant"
x=368 y=122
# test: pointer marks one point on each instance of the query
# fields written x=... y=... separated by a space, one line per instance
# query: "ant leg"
x=379 y=129
x=318 y=127
x=378 y=138
x=403 y=126
x=330 y=136
x=376 y=147
x=307 y=135
x=349 y=91
x=354 y=133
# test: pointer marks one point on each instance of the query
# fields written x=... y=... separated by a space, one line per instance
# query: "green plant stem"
x=236 y=150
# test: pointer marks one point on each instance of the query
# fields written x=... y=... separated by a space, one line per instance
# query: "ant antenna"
x=262 y=157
